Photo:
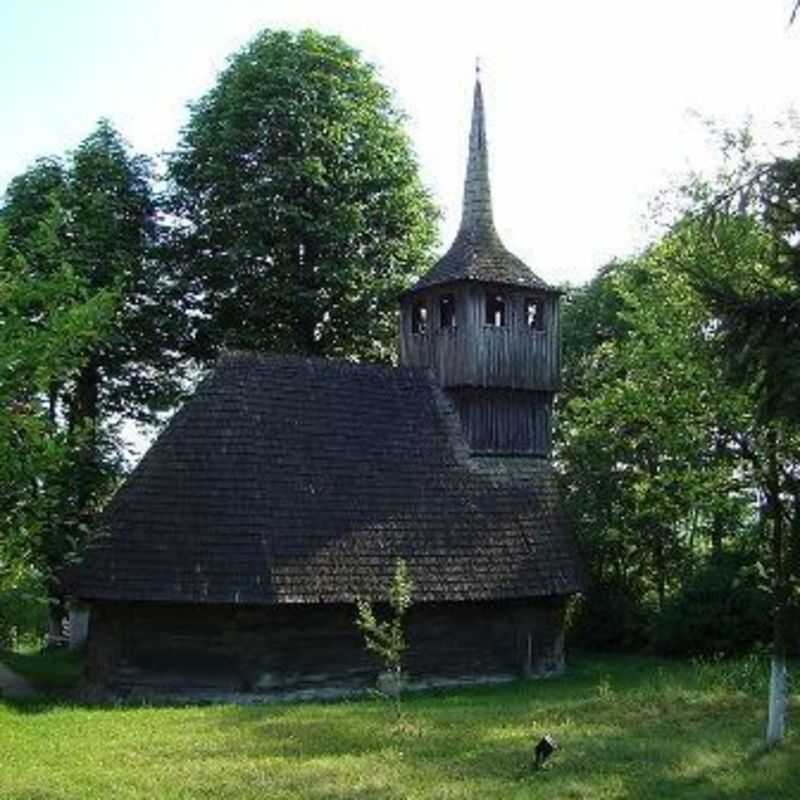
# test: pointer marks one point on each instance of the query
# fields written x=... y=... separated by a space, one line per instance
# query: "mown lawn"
x=628 y=728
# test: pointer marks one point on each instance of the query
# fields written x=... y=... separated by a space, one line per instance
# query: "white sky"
x=586 y=101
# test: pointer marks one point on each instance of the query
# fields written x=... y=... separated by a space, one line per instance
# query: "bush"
x=23 y=612
x=719 y=611
x=611 y=616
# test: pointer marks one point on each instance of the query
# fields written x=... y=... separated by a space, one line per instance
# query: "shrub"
x=611 y=616
x=386 y=638
x=720 y=610
x=23 y=612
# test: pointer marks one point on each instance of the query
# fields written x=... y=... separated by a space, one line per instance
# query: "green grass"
x=628 y=728
x=49 y=670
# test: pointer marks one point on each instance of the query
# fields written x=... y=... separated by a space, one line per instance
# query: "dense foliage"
x=679 y=445
x=48 y=321
x=301 y=212
x=90 y=337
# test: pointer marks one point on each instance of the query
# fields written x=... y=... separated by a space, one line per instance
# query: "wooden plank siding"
x=476 y=354
x=501 y=379
x=502 y=421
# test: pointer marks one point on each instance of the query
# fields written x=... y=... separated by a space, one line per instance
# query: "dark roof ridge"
x=237 y=356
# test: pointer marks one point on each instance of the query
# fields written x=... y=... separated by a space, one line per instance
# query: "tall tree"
x=48 y=324
x=758 y=309
x=302 y=214
x=105 y=228
x=646 y=423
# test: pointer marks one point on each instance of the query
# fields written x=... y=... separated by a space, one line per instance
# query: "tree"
x=47 y=325
x=759 y=314
x=100 y=217
x=645 y=445
x=386 y=638
x=301 y=212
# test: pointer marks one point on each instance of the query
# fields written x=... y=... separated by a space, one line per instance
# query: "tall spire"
x=476 y=213
x=477 y=254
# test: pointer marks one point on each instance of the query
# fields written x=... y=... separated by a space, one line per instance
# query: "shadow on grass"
x=628 y=728
x=633 y=732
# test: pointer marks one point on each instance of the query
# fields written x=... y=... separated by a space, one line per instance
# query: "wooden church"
x=287 y=487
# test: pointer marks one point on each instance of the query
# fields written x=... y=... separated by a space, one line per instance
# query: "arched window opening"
x=495 y=310
x=447 y=311
x=419 y=317
x=534 y=318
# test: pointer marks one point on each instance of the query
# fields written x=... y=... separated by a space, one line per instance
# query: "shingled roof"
x=294 y=480
x=477 y=254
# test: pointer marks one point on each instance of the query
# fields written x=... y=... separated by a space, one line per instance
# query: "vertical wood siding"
x=505 y=421
x=476 y=354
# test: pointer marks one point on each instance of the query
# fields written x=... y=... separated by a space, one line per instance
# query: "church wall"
x=473 y=353
x=175 y=648
x=502 y=421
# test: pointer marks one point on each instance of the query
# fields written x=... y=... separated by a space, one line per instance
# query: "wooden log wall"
x=504 y=421
x=473 y=353
x=174 y=648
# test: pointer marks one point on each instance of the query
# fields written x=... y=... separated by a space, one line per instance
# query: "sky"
x=591 y=106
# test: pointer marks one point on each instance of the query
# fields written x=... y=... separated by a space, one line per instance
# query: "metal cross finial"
x=477 y=68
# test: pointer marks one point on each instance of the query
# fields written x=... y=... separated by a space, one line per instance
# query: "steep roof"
x=287 y=479
x=477 y=254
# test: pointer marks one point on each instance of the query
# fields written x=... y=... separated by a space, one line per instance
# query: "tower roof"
x=477 y=254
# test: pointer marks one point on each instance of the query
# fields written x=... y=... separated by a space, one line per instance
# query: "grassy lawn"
x=628 y=728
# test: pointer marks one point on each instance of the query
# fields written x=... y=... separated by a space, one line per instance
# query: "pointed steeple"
x=476 y=210
x=477 y=254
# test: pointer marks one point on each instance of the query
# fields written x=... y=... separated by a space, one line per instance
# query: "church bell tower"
x=487 y=325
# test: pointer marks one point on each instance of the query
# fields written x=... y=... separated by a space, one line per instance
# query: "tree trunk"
x=778 y=697
x=717 y=520
x=778 y=691
x=717 y=529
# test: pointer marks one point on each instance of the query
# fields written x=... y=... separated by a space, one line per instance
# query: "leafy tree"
x=99 y=217
x=48 y=323
x=759 y=323
x=644 y=443
x=301 y=212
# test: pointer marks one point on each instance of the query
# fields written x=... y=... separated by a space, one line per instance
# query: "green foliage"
x=646 y=465
x=758 y=309
x=23 y=608
x=748 y=673
x=720 y=610
x=301 y=212
x=88 y=338
x=48 y=321
x=386 y=638
x=108 y=233
x=628 y=727
x=679 y=444
x=590 y=317
x=612 y=616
